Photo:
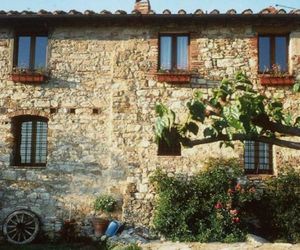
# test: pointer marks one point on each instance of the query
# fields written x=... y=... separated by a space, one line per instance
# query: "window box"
x=276 y=80
x=174 y=77
x=28 y=77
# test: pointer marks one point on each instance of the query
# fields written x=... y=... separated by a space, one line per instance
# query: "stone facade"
x=112 y=70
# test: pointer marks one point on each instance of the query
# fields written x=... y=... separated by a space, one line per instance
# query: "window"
x=30 y=133
x=173 y=148
x=273 y=50
x=174 y=52
x=31 y=51
x=258 y=158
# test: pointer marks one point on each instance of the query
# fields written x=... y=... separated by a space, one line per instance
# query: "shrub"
x=104 y=203
x=205 y=207
x=279 y=209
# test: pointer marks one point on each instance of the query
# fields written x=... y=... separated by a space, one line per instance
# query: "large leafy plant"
x=235 y=111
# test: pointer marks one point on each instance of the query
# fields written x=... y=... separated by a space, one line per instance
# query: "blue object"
x=112 y=228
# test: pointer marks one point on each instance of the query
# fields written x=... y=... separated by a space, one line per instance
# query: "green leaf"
x=209 y=132
x=197 y=110
x=296 y=87
x=232 y=116
x=198 y=95
x=193 y=128
x=161 y=109
x=288 y=119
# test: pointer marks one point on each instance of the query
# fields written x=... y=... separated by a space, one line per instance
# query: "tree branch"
x=242 y=137
x=264 y=122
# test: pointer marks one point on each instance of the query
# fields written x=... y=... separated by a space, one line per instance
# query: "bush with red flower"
x=221 y=204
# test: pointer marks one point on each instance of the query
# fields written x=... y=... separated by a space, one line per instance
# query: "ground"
x=50 y=247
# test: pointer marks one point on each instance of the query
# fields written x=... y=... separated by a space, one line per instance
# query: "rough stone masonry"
x=110 y=67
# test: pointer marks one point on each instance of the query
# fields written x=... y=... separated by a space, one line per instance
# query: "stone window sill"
x=29 y=167
x=260 y=176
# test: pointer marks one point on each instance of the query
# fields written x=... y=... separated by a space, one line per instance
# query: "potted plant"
x=276 y=77
x=25 y=75
x=174 y=76
x=105 y=204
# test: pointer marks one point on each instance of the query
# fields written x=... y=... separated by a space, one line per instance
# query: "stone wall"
x=112 y=70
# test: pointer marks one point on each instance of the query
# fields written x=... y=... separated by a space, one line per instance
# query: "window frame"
x=257 y=169
x=17 y=127
x=174 y=50
x=31 y=34
x=272 y=51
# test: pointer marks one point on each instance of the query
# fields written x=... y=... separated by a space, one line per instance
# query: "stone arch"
x=34 y=112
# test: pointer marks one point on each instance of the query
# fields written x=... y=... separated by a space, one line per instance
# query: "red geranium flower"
x=218 y=205
x=233 y=212
x=238 y=187
x=236 y=220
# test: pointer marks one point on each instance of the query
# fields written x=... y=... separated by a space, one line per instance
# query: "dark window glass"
x=182 y=52
x=281 y=52
x=23 y=52
x=31 y=140
x=31 y=52
x=40 y=52
x=273 y=53
x=174 y=52
x=166 y=52
x=264 y=54
x=258 y=158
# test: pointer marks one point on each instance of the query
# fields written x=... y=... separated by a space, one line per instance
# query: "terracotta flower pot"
x=100 y=225
x=276 y=80
x=28 y=77
x=174 y=77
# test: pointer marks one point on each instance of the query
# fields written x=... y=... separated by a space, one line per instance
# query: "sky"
x=157 y=5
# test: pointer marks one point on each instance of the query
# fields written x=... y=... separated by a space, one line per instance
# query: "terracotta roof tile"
x=247 y=12
x=215 y=12
x=59 y=12
x=266 y=11
x=269 y=10
x=121 y=12
x=44 y=12
x=296 y=11
x=199 y=12
x=105 y=12
x=231 y=12
x=89 y=12
x=182 y=12
x=74 y=12
x=167 y=12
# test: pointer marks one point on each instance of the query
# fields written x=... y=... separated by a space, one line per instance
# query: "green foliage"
x=164 y=122
x=220 y=204
x=280 y=207
x=104 y=203
x=206 y=207
x=233 y=109
x=296 y=87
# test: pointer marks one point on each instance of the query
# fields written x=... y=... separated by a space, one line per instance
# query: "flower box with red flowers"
x=276 y=80
x=174 y=76
x=28 y=76
x=276 y=76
